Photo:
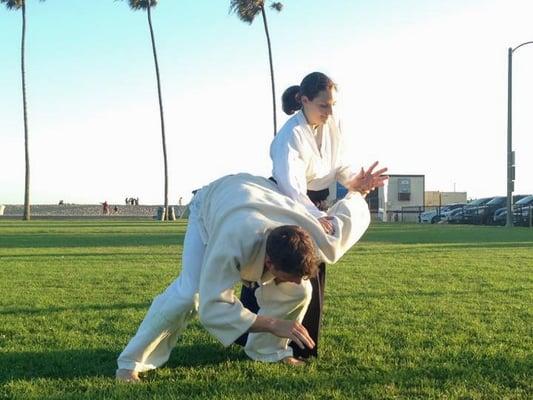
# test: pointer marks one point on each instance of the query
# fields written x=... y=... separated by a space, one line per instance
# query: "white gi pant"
x=171 y=311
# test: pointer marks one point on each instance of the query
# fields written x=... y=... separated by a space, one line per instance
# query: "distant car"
x=485 y=213
x=518 y=197
x=434 y=216
x=444 y=215
x=521 y=211
x=456 y=216
x=500 y=215
x=522 y=217
x=472 y=210
x=429 y=217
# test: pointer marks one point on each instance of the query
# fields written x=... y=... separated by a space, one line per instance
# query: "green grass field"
x=412 y=312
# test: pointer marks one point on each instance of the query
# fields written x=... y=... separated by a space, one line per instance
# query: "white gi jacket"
x=301 y=164
x=235 y=215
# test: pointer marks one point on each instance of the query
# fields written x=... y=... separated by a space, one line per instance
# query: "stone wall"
x=85 y=210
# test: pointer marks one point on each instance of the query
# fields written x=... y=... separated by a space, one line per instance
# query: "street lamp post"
x=510 y=152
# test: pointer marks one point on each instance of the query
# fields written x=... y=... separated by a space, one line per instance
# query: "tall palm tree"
x=147 y=5
x=247 y=10
x=21 y=5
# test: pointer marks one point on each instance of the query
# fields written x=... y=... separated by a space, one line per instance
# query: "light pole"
x=510 y=152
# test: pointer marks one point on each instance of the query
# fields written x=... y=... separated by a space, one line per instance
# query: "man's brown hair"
x=292 y=250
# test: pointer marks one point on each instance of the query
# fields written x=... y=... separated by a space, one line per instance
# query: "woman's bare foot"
x=127 y=375
x=292 y=361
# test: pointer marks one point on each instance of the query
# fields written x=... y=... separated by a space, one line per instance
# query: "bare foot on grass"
x=293 y=361
x=127 y=375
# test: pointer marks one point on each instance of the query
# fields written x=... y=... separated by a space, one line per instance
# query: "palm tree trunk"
x=166 y=210
x=27 y=215
x=271 y=69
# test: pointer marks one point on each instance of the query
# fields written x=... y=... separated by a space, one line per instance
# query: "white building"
x=405 y=197
x=401 y=199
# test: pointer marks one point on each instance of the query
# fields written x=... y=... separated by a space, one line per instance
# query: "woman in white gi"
x=307 y=158
x=307 y=152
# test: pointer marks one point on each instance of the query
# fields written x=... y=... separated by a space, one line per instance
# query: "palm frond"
x=277 y=6
x=12 y=4
x=246 y=10
x=141 y=4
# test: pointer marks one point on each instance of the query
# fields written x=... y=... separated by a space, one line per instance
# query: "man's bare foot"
x=292 y=361
x=127 y=375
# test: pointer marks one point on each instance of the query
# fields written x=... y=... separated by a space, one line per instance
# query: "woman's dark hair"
x=292 y=251
x=311 y=85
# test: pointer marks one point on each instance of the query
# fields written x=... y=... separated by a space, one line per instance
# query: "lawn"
x=412 y=312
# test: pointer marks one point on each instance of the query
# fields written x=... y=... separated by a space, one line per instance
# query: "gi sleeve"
x=220 y=311
x=351 y=218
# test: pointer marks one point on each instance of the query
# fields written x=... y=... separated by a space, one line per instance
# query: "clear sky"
x=423 y=89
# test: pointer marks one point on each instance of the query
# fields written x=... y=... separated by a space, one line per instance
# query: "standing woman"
x=307 y=151
x=307 y=158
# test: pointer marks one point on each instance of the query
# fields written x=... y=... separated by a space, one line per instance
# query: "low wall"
x=87 y=211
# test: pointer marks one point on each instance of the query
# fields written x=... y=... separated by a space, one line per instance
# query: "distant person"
x=115 y=210
x=105 y=208
x=241 y=228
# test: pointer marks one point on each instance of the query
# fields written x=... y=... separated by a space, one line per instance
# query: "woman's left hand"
x=366 y=181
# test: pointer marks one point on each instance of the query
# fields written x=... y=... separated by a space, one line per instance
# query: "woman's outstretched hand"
x=366 y=181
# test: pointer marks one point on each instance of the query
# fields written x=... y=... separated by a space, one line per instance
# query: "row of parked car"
x=486 y=211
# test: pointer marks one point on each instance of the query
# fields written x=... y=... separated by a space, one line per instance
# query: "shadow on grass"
x=90 y=307
x=204 y=355
x=490 y=374
x=86 y=363
x=90 y=240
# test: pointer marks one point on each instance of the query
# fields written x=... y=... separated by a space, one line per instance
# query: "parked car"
x=522 y=210
x=434 y=216
x=444 y=215
x=456 y=216
x=522 y=217
x=430 y=217
x=484 y=214
x=500 y=215
x=472 y=209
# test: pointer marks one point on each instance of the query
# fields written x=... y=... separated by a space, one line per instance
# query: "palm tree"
x=21 y=5
x=247 y=10
x=147 y=5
